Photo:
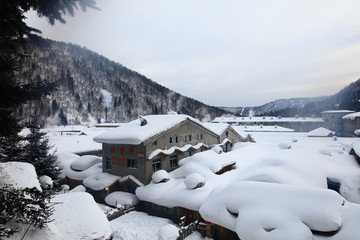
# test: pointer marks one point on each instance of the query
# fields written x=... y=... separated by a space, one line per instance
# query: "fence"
x=119 y=212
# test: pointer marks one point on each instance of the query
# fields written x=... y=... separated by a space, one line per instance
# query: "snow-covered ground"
x=139 y=225
x=283 y=174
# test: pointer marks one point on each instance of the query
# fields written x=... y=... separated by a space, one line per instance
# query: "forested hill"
x=346 y=99
x=92 y=87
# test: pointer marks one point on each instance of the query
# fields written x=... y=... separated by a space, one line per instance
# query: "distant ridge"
x=346 y=99
x=93 y=88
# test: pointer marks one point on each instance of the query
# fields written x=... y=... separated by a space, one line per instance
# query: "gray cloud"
x=230 y=53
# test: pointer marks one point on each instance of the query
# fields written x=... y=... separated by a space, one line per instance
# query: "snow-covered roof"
x=84 y=162
x=100 y=181
x=107 y=125
x=117 y=199
x=252 y=128
x=321 y=132
x=267 y=119
x=132 y=178
x=269 y=180
x=135 y=133
x=81 y=175
x=19 y=175
x=351 y=116
x=275 y=208
x=217 y=128
x=337 y=111
x=173 y=149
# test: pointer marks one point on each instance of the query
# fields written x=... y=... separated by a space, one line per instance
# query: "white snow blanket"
x=296 y=175
x=100 y=181
x=134 y=133
x=77 y=216
x=168 y=232
x=118 y=199
x=19 y=175
x=137 y=225
x=84 y=162
x=81 y=175
x=259 y=210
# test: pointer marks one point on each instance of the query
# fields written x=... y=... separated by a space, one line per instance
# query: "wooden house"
x=154 y=142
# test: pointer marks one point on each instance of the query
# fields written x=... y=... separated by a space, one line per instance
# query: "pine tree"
x=26 y=206
x=37 y=151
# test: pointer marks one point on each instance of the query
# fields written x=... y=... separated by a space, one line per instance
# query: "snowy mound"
x=84 y=162
x=79 y=188
x=77 y=216
x=267 y=210
x=217 y=149
x=81 y=175
x=194 y=180
x=284 y=145
x=19 y=175
x=168 y=232
x=160 y=176
x=100 y=181
x=117 y=199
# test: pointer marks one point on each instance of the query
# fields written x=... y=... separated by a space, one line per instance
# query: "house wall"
x=116 y=156
x=334 y=122
x=185 y=128
x=232 y=135
x=350 y=126
x=163 y=142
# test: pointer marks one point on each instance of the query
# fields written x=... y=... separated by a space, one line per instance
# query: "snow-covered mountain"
x=274 y=106
x=93 y=88
x=347 y=98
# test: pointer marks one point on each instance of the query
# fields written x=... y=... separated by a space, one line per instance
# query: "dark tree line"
x=26 y=206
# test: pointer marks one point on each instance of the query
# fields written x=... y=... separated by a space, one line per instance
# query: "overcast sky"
x=225 y=52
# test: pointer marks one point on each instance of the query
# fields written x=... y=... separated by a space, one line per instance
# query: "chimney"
x=143 y=121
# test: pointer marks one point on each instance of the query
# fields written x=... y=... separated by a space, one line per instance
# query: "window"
x=108 y=163
x=131 y=163
x=156 y=165
x=187 y=154
x=187 y=138
x=173 y=139
x=173 y=161
x=131 y=189
x=199 y=136
x=154 y=142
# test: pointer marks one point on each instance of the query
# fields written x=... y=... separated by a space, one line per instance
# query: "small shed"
x=321 y=132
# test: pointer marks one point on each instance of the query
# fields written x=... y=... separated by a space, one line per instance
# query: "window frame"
x=132 y=163
x=174 y=161
x=108 y=163
x=156 y=162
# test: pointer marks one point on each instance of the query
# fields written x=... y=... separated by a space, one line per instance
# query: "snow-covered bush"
x=46 y=182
